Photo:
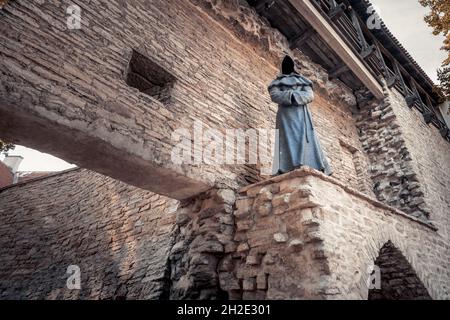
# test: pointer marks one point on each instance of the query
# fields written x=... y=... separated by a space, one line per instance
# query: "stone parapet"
x=304 y=235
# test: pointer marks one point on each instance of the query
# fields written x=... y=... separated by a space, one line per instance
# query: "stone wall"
x=120 y=237
x=394 y=178
x=205 y=233
x=409 y=158
x=430 y=155
x=278 y=252
x=398 y=281
x=305 y=235
x=59 y=85
x=302 y=235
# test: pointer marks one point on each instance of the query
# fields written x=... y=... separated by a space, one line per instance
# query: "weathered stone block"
x=296 y=245
x=292 y=185
x=230 y=247
x=243 y=207
x=249 y=284
x=280 y=200
x=227 y=219
x=264 y=209
x=264 y=196
x=268 y=259
x=261 y=281
x=306 y=214
x=228 y=282
x=313 y=236
x=281 y=237
x=299 y=203
x=209 y=246
x=280 y=209
x=227 y=196
x=243 y=225
x=242 y=247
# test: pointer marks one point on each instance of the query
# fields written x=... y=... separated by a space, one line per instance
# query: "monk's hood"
x=292 y=79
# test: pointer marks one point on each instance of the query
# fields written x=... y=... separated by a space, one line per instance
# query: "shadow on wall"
x=118 y=235
x=398 y=279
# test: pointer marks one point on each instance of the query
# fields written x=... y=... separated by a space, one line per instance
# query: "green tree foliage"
x=439 y=20
x=5 y=146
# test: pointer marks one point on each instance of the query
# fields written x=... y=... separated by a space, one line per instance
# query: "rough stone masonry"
x=234 y=234
x=119 y=236
x=59 y=85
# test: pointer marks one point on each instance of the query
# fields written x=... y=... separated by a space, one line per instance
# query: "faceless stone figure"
x=297 y=144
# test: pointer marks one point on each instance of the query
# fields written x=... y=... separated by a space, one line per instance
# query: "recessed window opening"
x=149 y=77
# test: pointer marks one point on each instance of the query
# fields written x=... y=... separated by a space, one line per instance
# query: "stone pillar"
x=278 y=244
x=264 y=244
x=205 y=235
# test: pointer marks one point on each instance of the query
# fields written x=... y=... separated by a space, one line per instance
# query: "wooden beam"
x=416 y=93
x=357 y=25
x=428 y=116
x=429 y=100
x=398 y=73
x=367 y=52
x=336 y=72
x=327 y=60
x=264 y=5
x=308 y=11
x=336 y=12
x=298 y=41
x=410 y=100
x=390 y=80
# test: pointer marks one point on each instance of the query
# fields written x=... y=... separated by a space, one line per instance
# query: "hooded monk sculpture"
x=297 y=144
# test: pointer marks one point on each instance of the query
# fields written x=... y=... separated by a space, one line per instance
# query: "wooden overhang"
x=335 y=34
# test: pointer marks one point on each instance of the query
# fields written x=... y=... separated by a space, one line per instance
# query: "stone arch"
x=395 y=278
x=383 y=234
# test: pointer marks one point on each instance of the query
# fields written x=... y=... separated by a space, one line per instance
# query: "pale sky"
x=38 y=161
x=403 y=17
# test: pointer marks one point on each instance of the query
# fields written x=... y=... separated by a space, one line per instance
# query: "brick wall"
x=392 y=169
x=118 y=235
x=397 y=279
x=71 y=84
x=313 y=244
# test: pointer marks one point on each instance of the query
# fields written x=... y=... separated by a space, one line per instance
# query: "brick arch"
x=397 y=280
x=388 y=235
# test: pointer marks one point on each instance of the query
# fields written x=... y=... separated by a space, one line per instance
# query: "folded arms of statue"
x=300 y=96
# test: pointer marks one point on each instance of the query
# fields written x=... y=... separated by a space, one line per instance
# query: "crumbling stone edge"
x=305 y=171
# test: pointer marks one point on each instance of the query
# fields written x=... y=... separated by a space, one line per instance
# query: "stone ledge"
x=305 y=171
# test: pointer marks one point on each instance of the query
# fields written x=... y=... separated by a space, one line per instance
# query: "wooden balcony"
x=381 y=58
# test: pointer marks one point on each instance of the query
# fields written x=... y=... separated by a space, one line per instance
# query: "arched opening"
x=398 y=280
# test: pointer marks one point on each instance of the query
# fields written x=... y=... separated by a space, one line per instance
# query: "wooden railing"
x=353 y=31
